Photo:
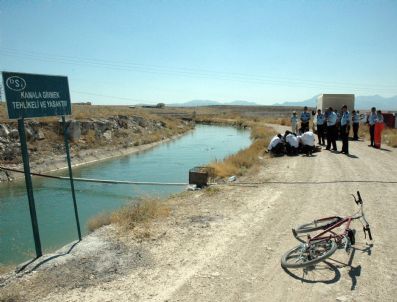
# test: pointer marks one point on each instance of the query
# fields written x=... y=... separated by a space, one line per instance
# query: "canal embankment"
x=91 y=139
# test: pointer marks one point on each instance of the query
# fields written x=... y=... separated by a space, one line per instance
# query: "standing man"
x=320 y=127
x=344 y=129
x=305 y=118
x=371 y=121
x=294 y=122
x=356 y=123
x=379 y=125
x=331 y=129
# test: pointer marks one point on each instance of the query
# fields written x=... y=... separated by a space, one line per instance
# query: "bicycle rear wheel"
x=306 y=255
x=316 y=225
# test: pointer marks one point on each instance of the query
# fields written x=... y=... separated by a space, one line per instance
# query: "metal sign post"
x=34 y=95
x=29 y=187
x=76 y=214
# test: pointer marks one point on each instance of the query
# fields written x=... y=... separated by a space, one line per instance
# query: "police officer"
x=320 y=127
x=372 y=118
x=305 y=118
x=331 y=129
x=344 y=129
x=356 y=124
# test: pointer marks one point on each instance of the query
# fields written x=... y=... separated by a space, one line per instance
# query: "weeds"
x=99 y=221
x=131 y=215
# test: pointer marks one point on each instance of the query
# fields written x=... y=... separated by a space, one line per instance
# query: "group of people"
x=330 y=126
x=292 y=144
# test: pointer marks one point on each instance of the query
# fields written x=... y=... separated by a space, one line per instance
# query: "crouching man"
x=291 y=143
x=306 y=142
x=276 y=145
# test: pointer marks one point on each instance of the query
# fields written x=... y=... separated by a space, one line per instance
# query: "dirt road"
x=225 y=244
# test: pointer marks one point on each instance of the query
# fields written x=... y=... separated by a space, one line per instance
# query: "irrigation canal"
x=168 y=162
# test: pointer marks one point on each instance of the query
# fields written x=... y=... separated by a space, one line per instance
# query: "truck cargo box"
x=336 y=101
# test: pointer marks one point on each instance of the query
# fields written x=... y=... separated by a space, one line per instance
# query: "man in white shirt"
x=291 y=143
x=306 y=141
x=331 y=129
x=356 y=124
x=372 y=118
x=276 y=145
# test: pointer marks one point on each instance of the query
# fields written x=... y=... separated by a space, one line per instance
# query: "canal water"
x=168 y=162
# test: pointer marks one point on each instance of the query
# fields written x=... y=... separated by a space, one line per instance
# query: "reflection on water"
x=168 y=162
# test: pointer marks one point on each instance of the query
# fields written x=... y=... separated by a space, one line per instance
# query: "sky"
x=130 y=52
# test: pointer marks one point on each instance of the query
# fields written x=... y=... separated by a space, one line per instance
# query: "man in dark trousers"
x=305 y=119
x=372 y=118
x=331 y=129
x=356 y=123
x=344 y=129
x=320 y=127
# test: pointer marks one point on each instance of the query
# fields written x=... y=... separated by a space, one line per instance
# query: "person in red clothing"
x=379 y=125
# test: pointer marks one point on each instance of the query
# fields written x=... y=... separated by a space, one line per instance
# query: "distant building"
x=83 y=103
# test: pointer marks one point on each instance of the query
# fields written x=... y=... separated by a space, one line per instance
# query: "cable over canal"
x=152 y=183
x=108 y=181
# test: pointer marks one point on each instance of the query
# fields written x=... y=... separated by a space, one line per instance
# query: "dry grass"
x=389 y=136
x=285 y=121
x=10 y=297
x=99 y=221
x=132 y=215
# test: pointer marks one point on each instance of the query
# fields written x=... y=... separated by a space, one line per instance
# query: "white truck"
x=336 y=101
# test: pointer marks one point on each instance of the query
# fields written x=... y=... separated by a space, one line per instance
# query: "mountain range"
x=199 y=103
x=361 y=102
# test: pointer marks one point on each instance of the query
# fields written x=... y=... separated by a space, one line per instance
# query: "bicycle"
x=319 y=247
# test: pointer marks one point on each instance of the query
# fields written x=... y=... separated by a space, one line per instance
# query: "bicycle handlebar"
x=358 y=200
x=359 y=197
x=367 y=229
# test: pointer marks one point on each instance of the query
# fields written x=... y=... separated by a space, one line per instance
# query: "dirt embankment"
x=225 y=243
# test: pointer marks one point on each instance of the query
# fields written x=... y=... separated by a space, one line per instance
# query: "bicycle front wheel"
x=308 y=254
x=316 y=225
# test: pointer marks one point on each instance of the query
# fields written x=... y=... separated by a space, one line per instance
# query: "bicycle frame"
x=341 y=221
x=333 y=235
